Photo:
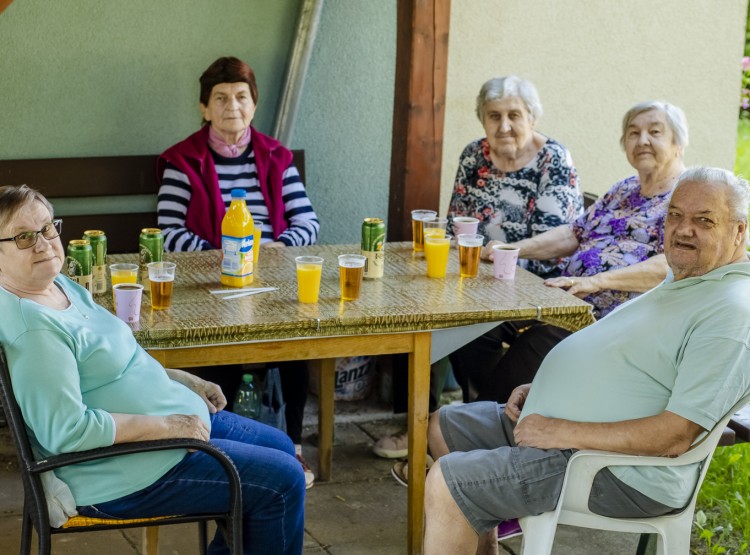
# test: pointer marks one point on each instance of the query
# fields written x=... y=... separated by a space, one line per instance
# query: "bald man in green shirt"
x=648 y=379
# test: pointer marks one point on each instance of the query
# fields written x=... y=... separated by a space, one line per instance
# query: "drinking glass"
x=122 y=273
x=435 y=227
x=417 y=218
x=129 y=308
x=504 y=261
x=464 y=225
x=309 y=271
x=436 y=251
x=469 y=248
x=351 y=270
x=161 y=279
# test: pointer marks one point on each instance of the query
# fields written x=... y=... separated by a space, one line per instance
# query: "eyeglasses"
x=27 y=239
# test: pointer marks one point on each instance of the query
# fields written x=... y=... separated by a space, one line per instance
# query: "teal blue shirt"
x=71 y=369
x=682 y=347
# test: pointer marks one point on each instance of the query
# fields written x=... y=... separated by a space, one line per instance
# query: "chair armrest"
x=76 y=457
x=584 y=465
x=66 y=459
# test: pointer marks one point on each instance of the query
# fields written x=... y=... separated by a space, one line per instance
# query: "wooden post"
x=4 y=4
x=418 y=111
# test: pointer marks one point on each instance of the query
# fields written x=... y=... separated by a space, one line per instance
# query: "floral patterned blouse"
x=620 y=229
x=516 y=205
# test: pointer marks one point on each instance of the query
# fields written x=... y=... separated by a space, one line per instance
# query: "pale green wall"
x=93 y=77
x=346 y=115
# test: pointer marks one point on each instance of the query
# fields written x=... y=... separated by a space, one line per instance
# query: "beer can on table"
x=373 y=242
x=78 y=262
x=98 y=241
x=151 y=248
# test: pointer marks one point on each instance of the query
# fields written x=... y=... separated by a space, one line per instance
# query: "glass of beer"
x=309 y=270
x=417 y=218
x=351 y=270
x=122 y=273
x=436 y=251
x=469 y=247
x=161 y=278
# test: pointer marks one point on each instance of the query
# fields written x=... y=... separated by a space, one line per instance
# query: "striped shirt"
x=235 y=173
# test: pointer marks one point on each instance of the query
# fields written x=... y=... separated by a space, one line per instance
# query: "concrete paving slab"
x=361 y=511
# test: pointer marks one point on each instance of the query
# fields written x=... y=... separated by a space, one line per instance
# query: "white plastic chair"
x=673 y=531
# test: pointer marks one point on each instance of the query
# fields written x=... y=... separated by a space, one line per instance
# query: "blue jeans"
x=273 y=488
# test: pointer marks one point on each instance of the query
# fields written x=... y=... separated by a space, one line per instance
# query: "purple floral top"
x=620 y=229
x=515 y=205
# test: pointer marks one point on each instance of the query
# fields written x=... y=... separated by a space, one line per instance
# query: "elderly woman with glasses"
x=83 y=382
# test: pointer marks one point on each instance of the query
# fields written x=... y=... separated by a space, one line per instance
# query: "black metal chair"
x=35 y=513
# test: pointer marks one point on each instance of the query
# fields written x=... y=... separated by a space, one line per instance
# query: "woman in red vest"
x=197 y=176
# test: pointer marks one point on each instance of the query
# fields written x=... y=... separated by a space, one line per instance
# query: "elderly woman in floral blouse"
x=615 y=249
x=516 y=181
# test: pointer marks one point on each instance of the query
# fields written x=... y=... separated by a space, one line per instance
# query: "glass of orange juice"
x=122 y=273
x=435 y=227
x=436 y=251
x=309 y=271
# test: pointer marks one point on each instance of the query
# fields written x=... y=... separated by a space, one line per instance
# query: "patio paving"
x=362 y=510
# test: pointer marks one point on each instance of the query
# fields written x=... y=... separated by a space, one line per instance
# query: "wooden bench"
x=116 y=194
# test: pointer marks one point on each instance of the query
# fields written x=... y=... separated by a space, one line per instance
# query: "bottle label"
x=238 y=256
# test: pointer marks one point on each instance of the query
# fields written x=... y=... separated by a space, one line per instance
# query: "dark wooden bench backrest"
x=114 y=177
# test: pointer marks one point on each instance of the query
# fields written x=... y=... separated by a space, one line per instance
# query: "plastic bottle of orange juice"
x=237 y=243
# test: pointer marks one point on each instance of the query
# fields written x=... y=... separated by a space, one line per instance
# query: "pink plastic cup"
x=128 y=301
x=465 y=225
x=504 y=260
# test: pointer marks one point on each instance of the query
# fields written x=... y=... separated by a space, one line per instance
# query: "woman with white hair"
x=516 y=181
x=615 y=250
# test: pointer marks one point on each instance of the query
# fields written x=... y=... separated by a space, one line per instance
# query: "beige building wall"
x=591 y=60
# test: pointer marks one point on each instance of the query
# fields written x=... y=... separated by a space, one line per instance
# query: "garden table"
x=399 y=313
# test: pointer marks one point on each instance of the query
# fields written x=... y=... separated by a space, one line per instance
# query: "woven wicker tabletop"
x=405 y=299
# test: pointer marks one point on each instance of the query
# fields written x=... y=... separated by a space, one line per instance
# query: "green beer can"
x=98 y=241
x=78 y=262
x=151 y=249
x=373 y=242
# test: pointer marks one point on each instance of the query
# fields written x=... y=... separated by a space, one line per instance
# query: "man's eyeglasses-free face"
x=27 y=239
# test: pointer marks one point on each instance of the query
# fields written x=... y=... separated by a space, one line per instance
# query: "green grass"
x=742 y=162
x=722 y=513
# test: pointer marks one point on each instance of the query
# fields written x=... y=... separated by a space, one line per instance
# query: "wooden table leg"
x=419 y=392
x=325 y=418
x=151 y=540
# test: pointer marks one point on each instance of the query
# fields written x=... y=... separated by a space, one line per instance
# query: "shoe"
x=508 y=529
x=400 y=470
x=309 y=476
x=393 y=447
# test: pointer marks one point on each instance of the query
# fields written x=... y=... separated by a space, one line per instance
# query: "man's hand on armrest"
x=665 y=434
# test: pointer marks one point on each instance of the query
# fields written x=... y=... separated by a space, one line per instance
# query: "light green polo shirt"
x=70 y=369
x=684 y=347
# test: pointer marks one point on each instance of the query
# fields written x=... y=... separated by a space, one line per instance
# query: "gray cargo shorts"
x=491 y=479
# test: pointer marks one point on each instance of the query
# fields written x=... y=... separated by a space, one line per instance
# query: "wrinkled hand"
x=515 y=402
x=578 y=286
x=538 y=431
x=186 y=426
x=486 y=253
x=213 y=397
x=208 y=391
